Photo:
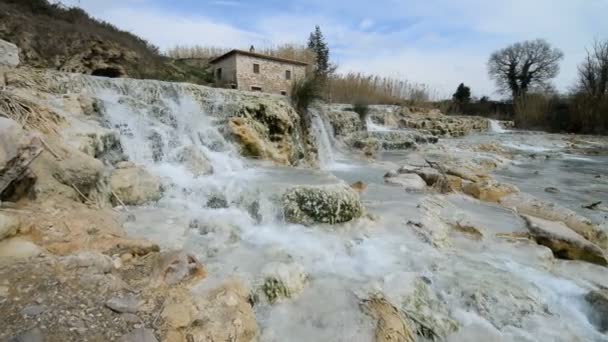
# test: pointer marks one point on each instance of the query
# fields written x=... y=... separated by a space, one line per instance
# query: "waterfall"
x=495 y=127
x=372 y=127
x=323 y=138
x=166 y=129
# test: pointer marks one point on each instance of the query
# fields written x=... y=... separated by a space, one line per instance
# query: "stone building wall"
x=271 y=77
x=228 y=66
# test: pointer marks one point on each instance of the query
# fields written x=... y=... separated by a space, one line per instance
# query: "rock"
x=283 y=281
x=90 y=261
x=18 y=248
x=126 y=304
x=344 y=122
x=598 y=300
x=427 y=316
x=488 y=190
x=9 y=54
x=268 y=129
x=430 y=227
x=195 y=161
x=174 y=267
x=529 y=205
x=33 y=310
x=409 y=181
x=177 y=315
x=135 y=186
x=33 y=335
x=80 y=170
x=390 y=324
x=359 y=187
x=17 y=151
x=9 y=225
x=564 y=242
x=217 y=202
x=125 y=165
x=139 y=335
x=225 y=314
x=331 y=204
x=552 y=190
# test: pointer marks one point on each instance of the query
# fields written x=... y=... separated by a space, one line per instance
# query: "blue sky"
x=437 y=42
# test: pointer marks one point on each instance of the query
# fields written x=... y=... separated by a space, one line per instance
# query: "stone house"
x=252 y=71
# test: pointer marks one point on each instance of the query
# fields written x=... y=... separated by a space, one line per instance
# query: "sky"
x=440 y=43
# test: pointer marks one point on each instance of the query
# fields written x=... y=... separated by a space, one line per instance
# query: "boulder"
x=411 y=181
x=529 y=205
x=283 y=281
x=336 y=203
x=488 y=190
x=195 y=161
x=344 y=122
x=598 y=300
x=9 y=224
x=90 y=261
x=18 y=248
x=390 y=324
x=9 y=54
x=563 y=241
x=17 y=151
x=174 y=267
x=224 y=314
x=135 y=186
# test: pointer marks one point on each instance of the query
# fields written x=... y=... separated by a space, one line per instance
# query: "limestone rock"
x=344 y=122
x=411 y=181
x=489 y=191
x=331 y=204
x=177 y=315
x=9 y=224
x=598 y=300
x=529 y=205
x=224 y=314
x=90 y=261
x=18 y=248
x=564 y=242
x=174 y=267
x=9 y=54
x=283 y=281
x=17 y=151
x=126 y=304
x=390 y=324
x=359 y=186
x=135 y=186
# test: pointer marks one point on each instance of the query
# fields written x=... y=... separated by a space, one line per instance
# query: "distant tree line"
x=524 y=71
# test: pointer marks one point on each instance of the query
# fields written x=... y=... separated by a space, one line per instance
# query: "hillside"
x=68 y=39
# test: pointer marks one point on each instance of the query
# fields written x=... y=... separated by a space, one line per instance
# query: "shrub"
x=361 y=108
x=304 y=91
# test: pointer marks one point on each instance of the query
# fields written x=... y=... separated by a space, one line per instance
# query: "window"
x=283 y=92
x=288 y=74
x=254 y=88
x=256 y=68
x=218 y=73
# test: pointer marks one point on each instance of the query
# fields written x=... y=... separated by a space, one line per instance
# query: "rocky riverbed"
x=149 y=211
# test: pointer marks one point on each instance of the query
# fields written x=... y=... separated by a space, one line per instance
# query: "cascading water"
x=373 y=127
x=488 y=286
x=495 y=127
x=323 y=138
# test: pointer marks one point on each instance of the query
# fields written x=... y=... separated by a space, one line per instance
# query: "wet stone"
x=127 y=304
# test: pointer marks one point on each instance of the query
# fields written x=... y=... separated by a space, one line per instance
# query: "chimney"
x=252 y=49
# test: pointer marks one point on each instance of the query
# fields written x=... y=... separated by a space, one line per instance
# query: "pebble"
x=33 y=310
x=129 y=304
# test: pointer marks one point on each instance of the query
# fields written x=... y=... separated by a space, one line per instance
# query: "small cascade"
x=495 y=127
x=373 y=127
x=323 y=139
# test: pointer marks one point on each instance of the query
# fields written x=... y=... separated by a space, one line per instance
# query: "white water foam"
x=372 y=127
x=495 y=127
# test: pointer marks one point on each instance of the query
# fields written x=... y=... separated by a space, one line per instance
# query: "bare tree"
x=524 y=66
x=593 y=72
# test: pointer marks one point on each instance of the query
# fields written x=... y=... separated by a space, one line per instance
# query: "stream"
x=492 y=288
